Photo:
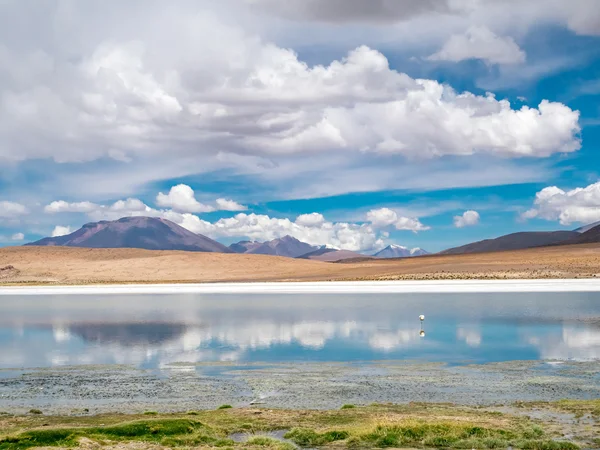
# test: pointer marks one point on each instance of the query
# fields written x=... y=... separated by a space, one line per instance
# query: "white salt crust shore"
x=326 y=287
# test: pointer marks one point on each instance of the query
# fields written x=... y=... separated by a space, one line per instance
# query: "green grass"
x=180 y=432
x=225 y=407
x=310 y=438
x=267 y=442
x=35 y=411
x=415 y=425
x=348 y=407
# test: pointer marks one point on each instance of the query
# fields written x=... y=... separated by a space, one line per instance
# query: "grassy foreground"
x=378 y=426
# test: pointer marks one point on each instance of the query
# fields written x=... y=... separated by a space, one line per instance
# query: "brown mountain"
x=149 y=233
x=517 y=241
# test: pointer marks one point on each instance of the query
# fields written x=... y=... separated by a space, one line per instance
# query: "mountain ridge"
x=287 y=246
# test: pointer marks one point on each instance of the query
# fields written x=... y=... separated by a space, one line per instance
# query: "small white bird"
x=421 y=317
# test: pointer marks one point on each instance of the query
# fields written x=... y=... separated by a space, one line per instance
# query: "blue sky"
x=428 y=124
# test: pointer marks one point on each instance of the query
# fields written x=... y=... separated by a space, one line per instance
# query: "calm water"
x=152 y=331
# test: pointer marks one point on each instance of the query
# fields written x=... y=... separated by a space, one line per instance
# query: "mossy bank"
x=565 y=425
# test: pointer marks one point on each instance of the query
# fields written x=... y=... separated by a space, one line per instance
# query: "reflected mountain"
x=133 y=334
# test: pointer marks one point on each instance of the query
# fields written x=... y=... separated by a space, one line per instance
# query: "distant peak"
x=398 y=246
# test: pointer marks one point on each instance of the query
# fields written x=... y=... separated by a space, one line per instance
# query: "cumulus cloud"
x=384 y=217
x=11 y=210
x=18 y=237
x=347 y=236
x=311 y=228
x=59 y=230
x=579 y=205
x=229 y=205
x=480 y=43
x=468 y=219
x=134 y=94
x=181 y=199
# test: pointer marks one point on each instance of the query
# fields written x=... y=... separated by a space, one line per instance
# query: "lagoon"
x=154 y=331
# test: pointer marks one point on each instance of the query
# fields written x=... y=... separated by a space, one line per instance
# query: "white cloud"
x=310 y=228
x=384 y=217
x=61 y=206
x=579 y=205
x=18 y=237
x=11 y=210
x=181 y=199
x=347 y=236
x=479 y=42
x=127 y=93
x=229 y=205
x=468 y=219
x=310 y=220
x=59 y=230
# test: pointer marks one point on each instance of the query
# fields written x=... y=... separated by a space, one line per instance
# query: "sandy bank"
x=84 y=266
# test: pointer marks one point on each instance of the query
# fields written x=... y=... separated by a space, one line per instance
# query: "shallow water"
x=153 y=331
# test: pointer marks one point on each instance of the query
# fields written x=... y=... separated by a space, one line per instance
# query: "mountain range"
x=160 y=234
x=398 y=251
x=530 y=239
x=149 y=233
x=285 y=246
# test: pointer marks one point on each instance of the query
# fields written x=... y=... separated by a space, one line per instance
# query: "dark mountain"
x=285 y=246
x=587 y=227
x=136 y=232
x=398 y=251
x=516 y=241
x=331 y=255
x=591 y=236
x=244 y=246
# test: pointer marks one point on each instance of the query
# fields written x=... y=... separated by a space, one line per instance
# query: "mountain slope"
x=398 y=251
x=589 y=237
x=331 y=255
x=587 y=227
x=285 y=246
x=149 y=233
x=244 y=246
x=516 y=241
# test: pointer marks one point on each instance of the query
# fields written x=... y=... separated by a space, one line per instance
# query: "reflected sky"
x=151 y=331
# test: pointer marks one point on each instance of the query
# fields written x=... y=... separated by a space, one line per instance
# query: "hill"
x=332 y=255
x=515 y=241
x=148 y=233
x=67 y=265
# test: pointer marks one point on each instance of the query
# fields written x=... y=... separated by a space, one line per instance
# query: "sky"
x=350 y=123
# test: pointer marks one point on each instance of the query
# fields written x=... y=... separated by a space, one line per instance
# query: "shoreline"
x=321 y=287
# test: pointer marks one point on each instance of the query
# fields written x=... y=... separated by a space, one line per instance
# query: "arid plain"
x=52 y=265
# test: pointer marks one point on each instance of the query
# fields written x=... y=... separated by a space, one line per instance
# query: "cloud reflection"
x=581 y=343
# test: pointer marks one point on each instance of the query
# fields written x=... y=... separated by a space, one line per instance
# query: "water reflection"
x=152 y=331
